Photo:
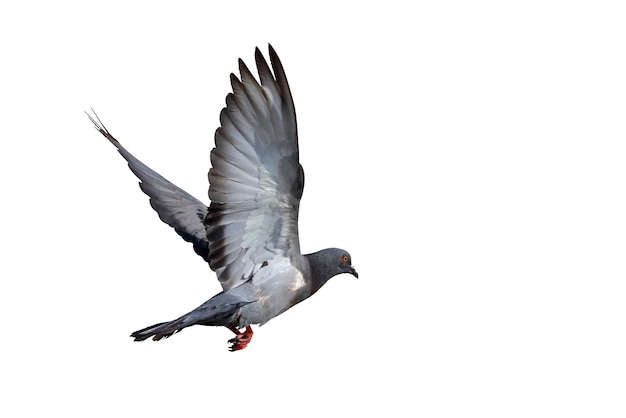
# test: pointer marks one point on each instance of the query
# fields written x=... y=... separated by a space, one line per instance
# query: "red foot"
x=241 y=340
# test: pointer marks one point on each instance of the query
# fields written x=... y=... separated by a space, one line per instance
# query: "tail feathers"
x=158 y=331
x=217 y=311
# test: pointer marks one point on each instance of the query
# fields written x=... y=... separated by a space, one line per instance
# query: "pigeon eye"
x=344 y=258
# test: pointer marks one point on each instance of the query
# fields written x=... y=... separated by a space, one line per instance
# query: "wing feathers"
x=175 y=207
x=255 y=180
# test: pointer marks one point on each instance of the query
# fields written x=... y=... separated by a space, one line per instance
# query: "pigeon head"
x=328 y=263
x=345 y=262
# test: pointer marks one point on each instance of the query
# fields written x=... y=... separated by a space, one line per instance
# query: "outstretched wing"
x=175 y=207
x=256 y=181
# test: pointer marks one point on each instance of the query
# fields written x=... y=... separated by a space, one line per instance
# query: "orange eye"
x=344 y=258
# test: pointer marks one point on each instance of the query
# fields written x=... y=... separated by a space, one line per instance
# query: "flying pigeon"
x=249 y=232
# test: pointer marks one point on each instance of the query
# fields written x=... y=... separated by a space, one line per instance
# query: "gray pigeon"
x=249 y=233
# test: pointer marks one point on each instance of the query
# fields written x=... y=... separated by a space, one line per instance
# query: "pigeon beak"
x=353 y=272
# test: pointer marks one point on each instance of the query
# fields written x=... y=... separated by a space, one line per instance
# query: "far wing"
x=175 y=207
x=256 y=179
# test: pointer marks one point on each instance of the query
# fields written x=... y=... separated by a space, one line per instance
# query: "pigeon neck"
x=319 y=271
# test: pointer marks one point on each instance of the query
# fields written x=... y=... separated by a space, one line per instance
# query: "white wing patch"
x=297 y=283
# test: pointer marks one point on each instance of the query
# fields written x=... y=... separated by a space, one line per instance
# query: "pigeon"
x=249 y=233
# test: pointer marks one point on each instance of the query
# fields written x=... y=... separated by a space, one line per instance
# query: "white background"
x=469 y=155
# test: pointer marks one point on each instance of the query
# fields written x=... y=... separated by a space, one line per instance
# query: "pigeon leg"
x=241 y=340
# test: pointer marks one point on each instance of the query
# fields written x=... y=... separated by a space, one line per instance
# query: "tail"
x=220 y=310
x=158 y=331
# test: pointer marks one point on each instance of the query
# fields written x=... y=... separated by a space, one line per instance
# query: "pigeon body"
x=249 y=232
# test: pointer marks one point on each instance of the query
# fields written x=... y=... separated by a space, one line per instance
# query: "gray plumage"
x=249 y=232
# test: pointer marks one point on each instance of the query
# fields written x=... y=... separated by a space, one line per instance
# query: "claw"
x=241 y=340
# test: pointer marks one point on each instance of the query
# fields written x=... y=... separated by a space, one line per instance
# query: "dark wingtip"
x=258 y=55
x=235 y=83
x=242 y=66
x=246 y=75
x=97 y=123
